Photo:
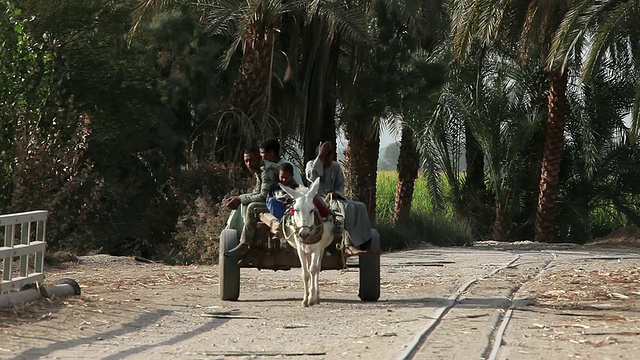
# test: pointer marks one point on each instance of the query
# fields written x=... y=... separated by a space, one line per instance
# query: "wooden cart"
x=269 y=250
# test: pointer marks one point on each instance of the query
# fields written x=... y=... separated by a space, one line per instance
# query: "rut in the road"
x=469 y=325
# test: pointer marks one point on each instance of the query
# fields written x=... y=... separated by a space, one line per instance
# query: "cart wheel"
x=370 y=271
x=229 y=270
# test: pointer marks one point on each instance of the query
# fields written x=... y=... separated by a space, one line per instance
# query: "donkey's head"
x=304 y=211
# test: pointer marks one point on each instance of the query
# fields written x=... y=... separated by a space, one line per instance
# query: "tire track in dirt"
x=471 y=323
x=491 y=353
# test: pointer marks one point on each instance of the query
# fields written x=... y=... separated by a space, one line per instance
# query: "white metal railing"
x=24 y=237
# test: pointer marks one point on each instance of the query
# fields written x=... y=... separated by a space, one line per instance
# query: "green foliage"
x=606 y=218
x=599 y=190
x=189 y=82
x=144 y=110
x=44 y=139
x=386 y=193
x=113 y=82
x=26 y=79
x=177 y=224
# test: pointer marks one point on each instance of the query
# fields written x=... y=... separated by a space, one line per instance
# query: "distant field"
x=424 y=225
x=386 y=194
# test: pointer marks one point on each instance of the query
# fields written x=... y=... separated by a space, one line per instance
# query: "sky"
x=385 y=140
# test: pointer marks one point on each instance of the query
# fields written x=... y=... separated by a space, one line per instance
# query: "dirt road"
x=490 y=301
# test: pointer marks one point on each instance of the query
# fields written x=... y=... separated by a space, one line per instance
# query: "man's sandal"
x=351 y=250
x=238 y=251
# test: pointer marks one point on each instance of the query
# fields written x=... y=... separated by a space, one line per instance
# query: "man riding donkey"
x=270 y=151
x=288 y=175
x=268 y=194
x=279 y=201
x=356 y=219
x=244 y=219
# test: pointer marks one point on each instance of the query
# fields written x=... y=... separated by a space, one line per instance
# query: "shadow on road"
x=143 y=321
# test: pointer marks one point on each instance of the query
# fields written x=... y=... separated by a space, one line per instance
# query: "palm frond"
x=490 y=18
x=393 y=125
x=441 y=140
x=422 y=19
x=434 y=182
x=236 y=18
x=635 y=118
x=570 y=33
x=462 y=26
x=235 y=43
x=589 y=149
x=145 y=10
x=605 y=31
x=219 y=16
x=351 y=24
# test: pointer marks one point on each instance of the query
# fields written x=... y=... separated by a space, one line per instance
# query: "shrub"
x=200 y=191
x=424 y=228
x=171 y=215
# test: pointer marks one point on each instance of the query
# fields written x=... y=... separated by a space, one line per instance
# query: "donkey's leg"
x=316 y=264
x=309 y=261
x=306 y=277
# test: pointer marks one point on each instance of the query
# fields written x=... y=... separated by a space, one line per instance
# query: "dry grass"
x=597 y=289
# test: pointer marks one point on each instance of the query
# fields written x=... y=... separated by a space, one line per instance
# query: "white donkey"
x=309 y=235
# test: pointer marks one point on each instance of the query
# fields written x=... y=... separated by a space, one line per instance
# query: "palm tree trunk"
x=475 y=188
x=248 y=101
x=250 y=89
x=553 y=145
x=361 y=165
x=475 y=166
x=408 y=166
x=535 y=148
x=320 y=124
x=500 y=223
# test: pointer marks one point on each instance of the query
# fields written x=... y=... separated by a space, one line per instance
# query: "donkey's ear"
x=294 y=194
x=313 y=189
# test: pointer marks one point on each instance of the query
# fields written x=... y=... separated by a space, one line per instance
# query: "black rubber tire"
x=228 y=269
x=370 y=271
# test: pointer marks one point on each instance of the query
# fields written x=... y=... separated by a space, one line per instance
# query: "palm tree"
x=361 y=103
x=419 y=84
x=264 y=37
x=614 y=37
x=374 y=85
x=441 y=141
x=460 y=105
x=527 y=28
x=314 y=46
x=506 y=122
x=600 y=160
x=408 y=167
